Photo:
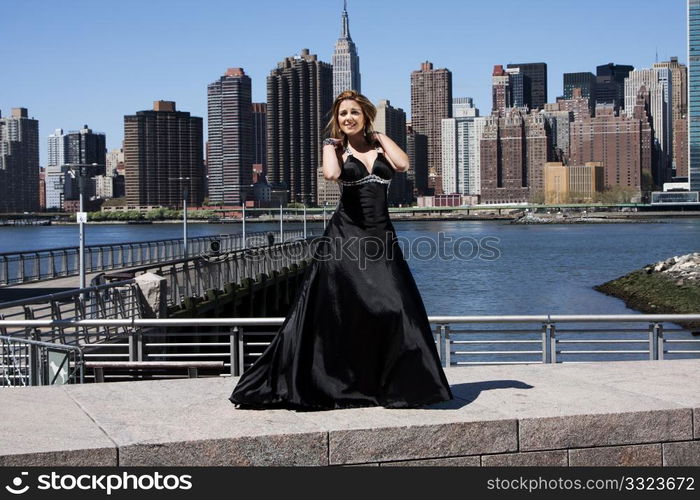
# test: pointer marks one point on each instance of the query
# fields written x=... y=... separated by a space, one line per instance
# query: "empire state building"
x=346 y=63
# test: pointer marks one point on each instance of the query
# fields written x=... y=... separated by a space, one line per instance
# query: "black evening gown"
x=357 y=333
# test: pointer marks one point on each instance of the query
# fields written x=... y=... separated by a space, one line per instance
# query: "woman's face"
x=351 y=117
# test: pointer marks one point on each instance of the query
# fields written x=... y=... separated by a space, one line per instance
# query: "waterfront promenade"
x=644 y=413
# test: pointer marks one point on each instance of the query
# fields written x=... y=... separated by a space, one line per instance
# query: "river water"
x=466 y=268
x=502 y=268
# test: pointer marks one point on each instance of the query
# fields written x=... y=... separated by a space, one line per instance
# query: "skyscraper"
x=502 y=150
x=57 y=148
x=463 y=106
x=346 y=62
x=19 y=162
x=115 y=162
x=680 y=147
x=431 y=101
x=230 y=137
x=500 y=89
x=88 y=149
x=558 y=121
x=621 y=143
x=694 y=94
x=535 y=83
x=260 y=134
x=461 y=136
x=580 y=106
x=610 y=84
x=516 y=82
x=538 y=147
x=392 y=122
x=657 y=83
x=299 y=99
x=584 y=81
x=417 y=151
x=163 y=156
x=679 y=113
x=514 y=149
x=53 y=181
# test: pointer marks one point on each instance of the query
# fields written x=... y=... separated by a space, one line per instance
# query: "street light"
x=185 y=195
x=302 y=197
x=244 y=196
x=81 y=216
x=281 y=223
x=304 y=215
x=244 y=245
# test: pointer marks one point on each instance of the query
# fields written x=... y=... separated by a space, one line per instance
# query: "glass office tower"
x=694 y=93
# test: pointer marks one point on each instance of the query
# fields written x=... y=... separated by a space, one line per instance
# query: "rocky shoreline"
x=671 y=286
x=530 y=218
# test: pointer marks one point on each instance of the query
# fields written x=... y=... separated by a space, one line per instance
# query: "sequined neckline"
x=364 y=167
x=366 y=179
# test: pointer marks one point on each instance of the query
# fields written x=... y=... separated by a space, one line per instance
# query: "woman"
x=357 y=333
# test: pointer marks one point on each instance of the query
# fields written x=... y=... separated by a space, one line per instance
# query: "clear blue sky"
x=92 y=62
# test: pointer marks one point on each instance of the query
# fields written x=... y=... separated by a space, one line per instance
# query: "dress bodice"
x=355 y=173
x=364 y=193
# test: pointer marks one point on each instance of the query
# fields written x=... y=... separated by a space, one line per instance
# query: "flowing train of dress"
x=357 y=333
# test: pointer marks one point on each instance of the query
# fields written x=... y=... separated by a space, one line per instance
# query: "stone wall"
x=620 y=413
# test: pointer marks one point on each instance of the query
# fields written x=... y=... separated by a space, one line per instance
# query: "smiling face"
x=351 y=118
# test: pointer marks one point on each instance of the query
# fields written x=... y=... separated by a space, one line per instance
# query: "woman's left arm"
x=393 y=153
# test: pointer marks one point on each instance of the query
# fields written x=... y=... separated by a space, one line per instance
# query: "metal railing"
x=26 y=362
x=481 y=340
x=193 y=277
x=113 y=301
x=51 y=263
x=460 y=340
x=186 y=278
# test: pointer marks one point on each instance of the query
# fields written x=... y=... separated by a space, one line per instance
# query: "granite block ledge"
x=606 y=429
x=619 y=413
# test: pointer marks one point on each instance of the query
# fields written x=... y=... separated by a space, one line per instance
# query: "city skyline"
x=197 y=45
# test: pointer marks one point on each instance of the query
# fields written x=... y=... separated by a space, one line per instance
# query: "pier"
x=53 y=265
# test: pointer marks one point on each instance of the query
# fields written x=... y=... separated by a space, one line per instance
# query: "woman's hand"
x=392 y=152
x=332 y=149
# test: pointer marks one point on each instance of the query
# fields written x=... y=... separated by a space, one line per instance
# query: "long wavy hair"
x=368 y=109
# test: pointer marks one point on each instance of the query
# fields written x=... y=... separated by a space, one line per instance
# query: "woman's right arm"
x=331 y=164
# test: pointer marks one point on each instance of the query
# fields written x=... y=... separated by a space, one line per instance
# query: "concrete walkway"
x=617 y=413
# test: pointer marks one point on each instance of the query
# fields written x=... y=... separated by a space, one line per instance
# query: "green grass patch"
x=655 y=293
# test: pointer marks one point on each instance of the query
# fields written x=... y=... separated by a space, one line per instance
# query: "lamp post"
x=281 y=223
x=81 y=222
x=185 y=195
x=302 y=197
x=244 y=242
x=81 y=216
x=244 y=196
x=304 y=203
